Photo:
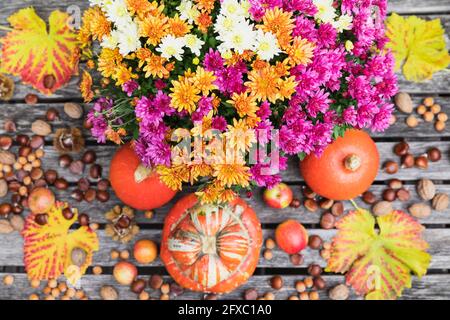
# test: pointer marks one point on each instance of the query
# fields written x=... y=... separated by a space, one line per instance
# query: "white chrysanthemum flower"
x=326 y=12
x=172 y=47
x=129 y=39
x=96 y=3
x=241 y=38
x=266 y=45
x=224 y=24
x=117 y=12
x=343 y=23
x=232 y=8
x=194 y=43
x=111 y=41
x=188 y=11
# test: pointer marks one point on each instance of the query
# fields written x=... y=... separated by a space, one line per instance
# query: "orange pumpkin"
x=346 y=168
x=211 y=248
x=135 y=185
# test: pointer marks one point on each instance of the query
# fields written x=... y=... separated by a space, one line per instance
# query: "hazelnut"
x=421 y=109
x=412 y=121
x=270 y=243
x=296 y=259
x=428 y=101
x=300 y=286
x=31 y=99
x=439 y=126
x=440 y=202
x=268 y=254
x=443 y=117
x=428 y=116
x=436 y=108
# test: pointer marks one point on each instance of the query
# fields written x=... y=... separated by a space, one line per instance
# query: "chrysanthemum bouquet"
x=215 y=91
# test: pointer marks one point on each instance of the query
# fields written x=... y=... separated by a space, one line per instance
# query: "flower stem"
x=354 y=204
x=6 y=28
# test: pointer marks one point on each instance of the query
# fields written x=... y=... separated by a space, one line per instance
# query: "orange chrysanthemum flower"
x=280 y=23
x=140 y=7
x=115 y=136
x=232 y=174
x=205 y=5
x=95 y=25
x=204 y=21
x=184 y=95
x=262 y=84
x=204 y=80
x=301 y=51
x=239 y=137
x=143 y=54
x=154 y=28
x=178 y=27
x=155 y=67
x=123 y=74
x=86 y=87
x=244 y=103
x=199 y=170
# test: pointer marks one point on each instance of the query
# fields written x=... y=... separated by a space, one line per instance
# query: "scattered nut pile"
x=429 y=111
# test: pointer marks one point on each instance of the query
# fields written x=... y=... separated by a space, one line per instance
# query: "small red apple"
x=278 y=197
x=41 y=200
x=291 y=236
x=125 y=272
x=145 y=251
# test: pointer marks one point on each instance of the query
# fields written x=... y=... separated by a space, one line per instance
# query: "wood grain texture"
x=437 y=238
x=433 y=287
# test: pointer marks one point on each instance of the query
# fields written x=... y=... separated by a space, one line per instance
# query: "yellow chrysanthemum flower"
x=244 y=103
x=204 y=80
x=178 y=27
x=199 y=170
x=173 y=176
x=239 y=136
x=232 y=174
x=123 y=74
x=154 y=28
x=262 y=84
x=86 y=87
x=280 y=23
x=143 y=54
x=287 y=87
x=108 y=61
x=184 y=95
x=301 y=51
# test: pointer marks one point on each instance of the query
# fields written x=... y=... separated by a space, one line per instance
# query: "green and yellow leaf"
x=48 y=248
x=32 y=53
x=418 y=46
x=378 y=264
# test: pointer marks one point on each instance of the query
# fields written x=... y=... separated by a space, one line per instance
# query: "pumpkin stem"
x=352 y=162
x=141 y=173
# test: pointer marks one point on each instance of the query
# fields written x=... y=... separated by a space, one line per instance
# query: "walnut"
x=382 y=208
x=440 y=202
x=420 y=210
x=339 y=292
x=426 y=189
x=122 y=226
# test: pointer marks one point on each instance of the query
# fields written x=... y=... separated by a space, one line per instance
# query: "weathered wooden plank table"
x=435 y=285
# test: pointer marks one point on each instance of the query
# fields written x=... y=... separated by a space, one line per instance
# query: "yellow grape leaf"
x=378 y=263
x=48 y=247
x=418 y=45
x=32 y=53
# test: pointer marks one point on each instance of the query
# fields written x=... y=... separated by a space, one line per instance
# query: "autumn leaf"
x=48 y=248
x=418 y=46
x=378 y=263
x=32 y=53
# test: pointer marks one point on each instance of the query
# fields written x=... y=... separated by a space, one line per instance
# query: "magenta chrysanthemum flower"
x=129 y=87
x=213 y=61
x=219 y=123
